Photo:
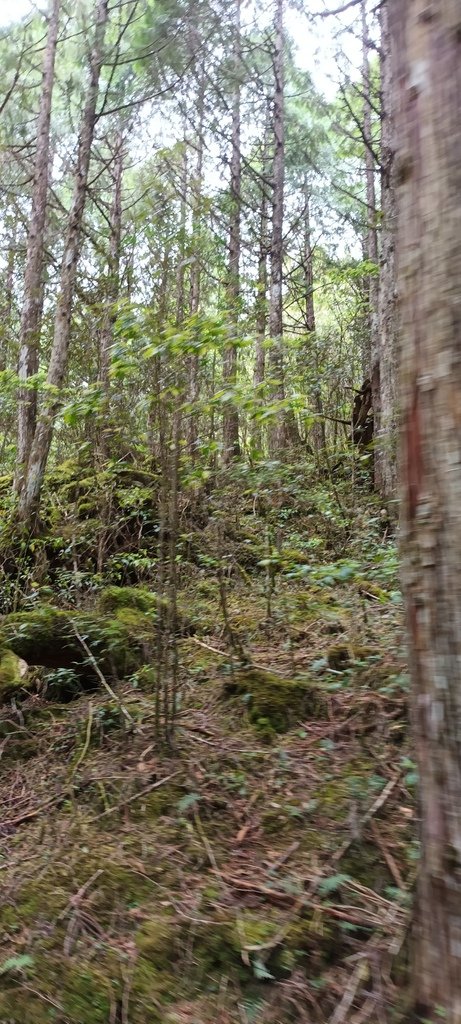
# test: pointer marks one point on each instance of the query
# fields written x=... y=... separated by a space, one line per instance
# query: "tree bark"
x=277 y=432
x=231 y=446
x=6 y=306
x=261 y=308
x=113 y=266
x=196 y=270
x=182 y=235
x=426 y=47
x=372 y=353
x=386 y=460
x=318 y=432
x=106 y=337
x=197 y=186
x=31 y=318
x=30 y=493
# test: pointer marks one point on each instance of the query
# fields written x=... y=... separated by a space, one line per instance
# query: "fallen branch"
x=101 y=677
x=29 y=815
x=365 y=919
x=387 y=856
x=375 y=807
x=342 y=1009
x=86 y=744
x=72 y=908
x=137 y=796
x=225 y=654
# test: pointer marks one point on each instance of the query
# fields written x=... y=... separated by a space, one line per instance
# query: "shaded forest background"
x=206 y=242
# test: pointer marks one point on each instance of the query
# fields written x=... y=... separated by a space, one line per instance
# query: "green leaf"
x=188 y=801
x=252 y=1008
x=332 y=884
x=346 y=572
x=16 y=963
x=319 y=664
x=261 y=972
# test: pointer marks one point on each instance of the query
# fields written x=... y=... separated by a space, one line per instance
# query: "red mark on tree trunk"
x=414 y=456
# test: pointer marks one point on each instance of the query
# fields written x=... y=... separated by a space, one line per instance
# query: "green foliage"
x=332 y=884
x=62 y=684
x=16 y=963
x=188 y=802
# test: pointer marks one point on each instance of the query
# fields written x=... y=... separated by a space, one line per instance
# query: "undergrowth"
x=259 y=867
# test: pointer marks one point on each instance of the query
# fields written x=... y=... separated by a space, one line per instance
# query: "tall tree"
x=113 y=261
x=277 y=434
x=318 y=432
x=371 y=360
x=112 y=283
x=196 y=184
x=33 y=278
x=31 y=490
x=182 y=232
x=230 y=418
x=426 y=48
x=385 y=455
x=6 y=300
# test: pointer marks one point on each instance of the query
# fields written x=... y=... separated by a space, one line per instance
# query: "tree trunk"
x=231 y=446
x=31 y=318
x=112 y=288
x=196 y=271
x=319 y=427
x=113 y=266
x=259 y=370
x=386 y=460
x=277 y=431
x=6 y=306
x=182 y=234
x=426 y=50
x=261 y=299
x=371 y=360
x=30 y=494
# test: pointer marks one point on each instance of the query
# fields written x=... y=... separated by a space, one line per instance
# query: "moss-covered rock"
x=13 y=674
x=274 y=703
x=341 y=656
x=112 y=599
x=125 y=603
x=57 y=639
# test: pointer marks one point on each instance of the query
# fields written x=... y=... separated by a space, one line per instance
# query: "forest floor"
x=258 y=870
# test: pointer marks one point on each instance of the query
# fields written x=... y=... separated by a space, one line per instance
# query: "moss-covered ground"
x=260 y=867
